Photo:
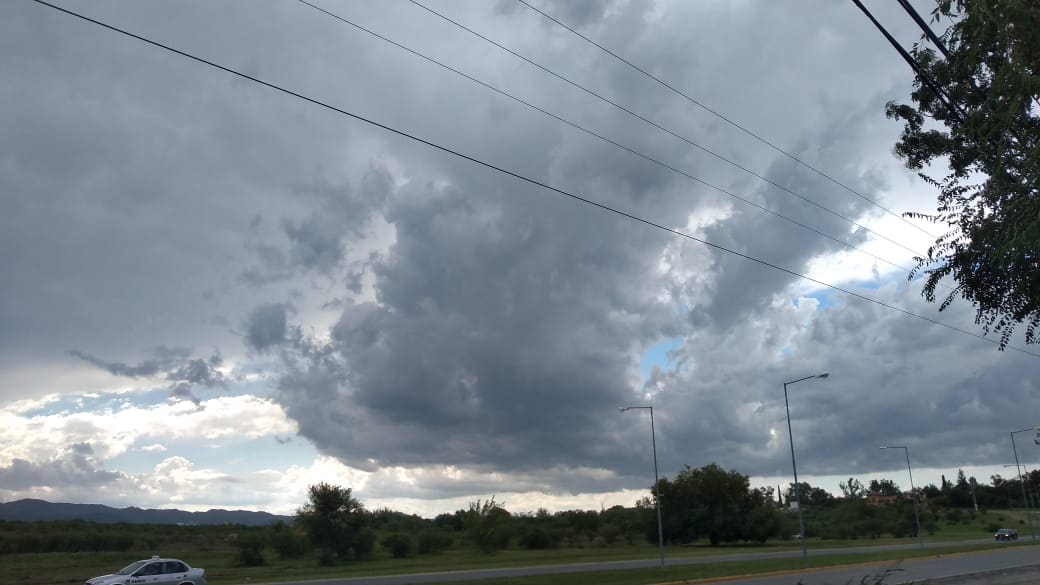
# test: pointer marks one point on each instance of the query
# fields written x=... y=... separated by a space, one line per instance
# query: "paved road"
x=472 y=575
x=1011 y=566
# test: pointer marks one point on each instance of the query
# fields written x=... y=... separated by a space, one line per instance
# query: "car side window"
x=151 y=569
x=175 y=567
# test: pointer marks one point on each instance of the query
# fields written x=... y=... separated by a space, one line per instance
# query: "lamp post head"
x=622 y=408
x=883 y=447
x=824 y=375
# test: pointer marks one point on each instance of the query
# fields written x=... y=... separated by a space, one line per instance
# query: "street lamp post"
x=913 y=492
x=794 y=467
x=657 y=481
x=1022 y=478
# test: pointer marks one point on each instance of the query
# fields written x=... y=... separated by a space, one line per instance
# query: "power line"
x=724 y=118
x=517 y=175
x=941 y=95
x=909 y=8
x=597 y=135
x=604 y=138
x=660 y=127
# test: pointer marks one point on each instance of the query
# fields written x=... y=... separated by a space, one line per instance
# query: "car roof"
x=157 y=558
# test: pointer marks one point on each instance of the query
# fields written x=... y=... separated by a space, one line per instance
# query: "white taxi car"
x=154 y=571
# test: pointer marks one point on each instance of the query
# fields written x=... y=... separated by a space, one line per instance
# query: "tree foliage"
x=487 y=525
x=250 y=547
x=852 y=489
x=884 y=487
x=810 y=495
x=335 y=523
x=985 y=126
x=718 y=504
x=287 y=541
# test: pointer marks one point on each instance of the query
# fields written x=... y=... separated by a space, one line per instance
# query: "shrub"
x=399 y=544
x=537 y=539
x=289 y=543
x=364 y=542
x=434 y=541
x=250 y=547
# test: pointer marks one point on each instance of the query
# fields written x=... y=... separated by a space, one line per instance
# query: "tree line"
x=707 y=504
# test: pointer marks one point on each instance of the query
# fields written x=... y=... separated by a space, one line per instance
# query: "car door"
x=150 y=574
x=174 y=573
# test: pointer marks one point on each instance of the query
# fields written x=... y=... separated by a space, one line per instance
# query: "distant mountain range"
x=41 y=511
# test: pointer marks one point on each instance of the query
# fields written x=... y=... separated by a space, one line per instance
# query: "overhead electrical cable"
x=594 y=134
x=517 y=175
x=909 y=8
x=724 y=118
x=941 y=95
x=662 y=128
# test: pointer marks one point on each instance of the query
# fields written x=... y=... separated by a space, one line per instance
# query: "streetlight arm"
x=799 y=380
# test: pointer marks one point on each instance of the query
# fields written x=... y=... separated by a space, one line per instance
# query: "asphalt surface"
x=895 y=572
x=1011 y=566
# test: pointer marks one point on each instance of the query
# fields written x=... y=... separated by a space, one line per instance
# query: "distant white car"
x=154 y=571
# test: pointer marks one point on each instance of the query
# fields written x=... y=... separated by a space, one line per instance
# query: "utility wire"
x=923 y=26
x=660 y=127
x=921 y=74
x=594 y=134
x=517 y=175
x=724 y=118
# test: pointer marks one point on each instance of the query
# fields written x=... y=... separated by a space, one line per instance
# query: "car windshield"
x=131 y=568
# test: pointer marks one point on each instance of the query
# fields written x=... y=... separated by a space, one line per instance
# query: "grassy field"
x=219 y=560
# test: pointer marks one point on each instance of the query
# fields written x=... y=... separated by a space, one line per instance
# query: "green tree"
x=250 y=547
x=399 y=544
x=434 y=541
x=810 y=495
x=884 y=487
x=852 y=489
x=335 y=523
x=711 y=502
x=287 y=541
x=985 y=128
x=487 y=525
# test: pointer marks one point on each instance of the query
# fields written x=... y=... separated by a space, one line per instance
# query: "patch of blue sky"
x=658 y=355
x=829 y=297
x=114 y=401
x=109 y=401
x=826 y=297
x=870 y=284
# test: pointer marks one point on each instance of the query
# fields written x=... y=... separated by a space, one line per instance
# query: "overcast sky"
x=215 y=294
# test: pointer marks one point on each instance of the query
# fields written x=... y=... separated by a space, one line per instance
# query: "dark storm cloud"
x=146 y=368
x=506 y=324
x=174 y=364
x=491 y=339
x=74 y=467
x=267 y=326
x=163 y=359
x=199 y=372
x=318 y=242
